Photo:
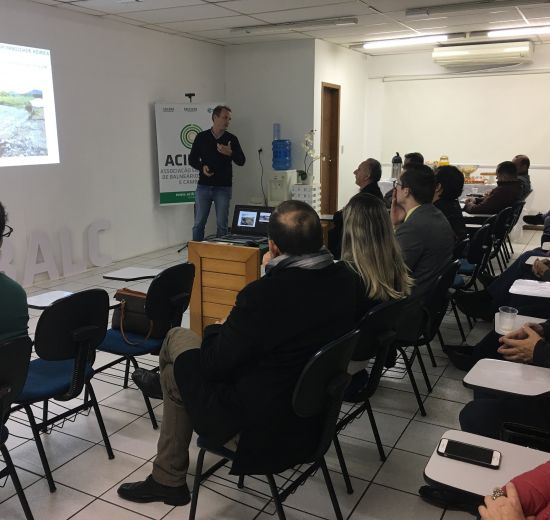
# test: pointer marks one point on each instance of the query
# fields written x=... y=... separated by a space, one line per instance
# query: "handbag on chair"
x=131 y=317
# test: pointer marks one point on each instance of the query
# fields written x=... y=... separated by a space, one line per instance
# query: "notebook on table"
x=249 y=225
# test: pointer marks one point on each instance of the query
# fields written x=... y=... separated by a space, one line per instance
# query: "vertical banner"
x=177 y=126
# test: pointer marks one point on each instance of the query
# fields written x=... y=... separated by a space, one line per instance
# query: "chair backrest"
x=15 y=355
x=169 y=294
x=460 y=248
x=72 y=328
x=437 y=300
x=502 y=223
x=321 y=385
x=516 y=213
x=480 y=243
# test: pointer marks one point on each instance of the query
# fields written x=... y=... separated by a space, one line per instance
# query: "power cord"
x=260 y=150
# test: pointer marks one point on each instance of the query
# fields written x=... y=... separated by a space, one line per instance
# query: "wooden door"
x=330 y=145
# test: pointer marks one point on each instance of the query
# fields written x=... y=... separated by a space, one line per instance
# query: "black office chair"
x=67 y=335
x=319 y=392
x=516 y=214
x=500 y=230
x=377 y=337
x=167 y=299
x=427 y=321
x=15 y=355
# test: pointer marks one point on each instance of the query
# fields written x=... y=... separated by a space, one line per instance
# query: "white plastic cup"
x=507 y=318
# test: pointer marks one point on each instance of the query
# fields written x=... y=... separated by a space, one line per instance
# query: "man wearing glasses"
x=14 y=313
x=423 y=232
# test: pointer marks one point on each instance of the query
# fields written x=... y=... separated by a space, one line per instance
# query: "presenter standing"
x=213 y=153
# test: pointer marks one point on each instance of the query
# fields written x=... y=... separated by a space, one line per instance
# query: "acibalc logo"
x=188 y=134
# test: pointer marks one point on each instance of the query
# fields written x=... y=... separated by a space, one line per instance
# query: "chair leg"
x=510 y=243
x=423 y=369
x=100 y=422
x=331 y=491
x=440 y=338
x=276 y=499
x=343 y=465
x=44 y=429
x=240 y=484
x=126 y=373
x=16 y=482
x=375 y=432
x=455 y=312
x=413 y=380
x=40 y=448
x=196 y=484
x=147 y=400
x=431 y=354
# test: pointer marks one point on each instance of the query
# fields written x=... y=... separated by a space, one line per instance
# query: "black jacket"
x=451 y=209
x=204 y=151
x=244 y=377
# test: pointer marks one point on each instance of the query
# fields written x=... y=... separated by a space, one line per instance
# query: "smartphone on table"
x=485 y=457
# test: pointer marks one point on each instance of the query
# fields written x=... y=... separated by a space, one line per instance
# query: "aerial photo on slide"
x=22 y=128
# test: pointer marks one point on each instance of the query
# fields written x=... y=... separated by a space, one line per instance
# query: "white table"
x=508 y=377
x=531 y=288
x=41 y=301
x=442 y=471
x=130 y=274
x=546 y=246
x=531 y=259
x=519 y=321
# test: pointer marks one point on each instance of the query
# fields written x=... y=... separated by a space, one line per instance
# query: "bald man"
x=522 y=163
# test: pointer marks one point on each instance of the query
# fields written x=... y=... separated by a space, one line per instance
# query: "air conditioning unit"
x=507 y=53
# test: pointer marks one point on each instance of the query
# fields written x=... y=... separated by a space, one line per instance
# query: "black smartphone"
x=469 y=453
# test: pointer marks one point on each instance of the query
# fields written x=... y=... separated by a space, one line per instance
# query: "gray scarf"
x=319 y=260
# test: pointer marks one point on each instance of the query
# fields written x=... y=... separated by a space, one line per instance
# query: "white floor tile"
x=362 y=458
x=138 y=438
x=403 y=470
x=94 y=473
x=421 y=437
x=390 y=427
x=394 y=402
x=100 y=510
x=441 y=412
x=452 y=390
x=8 y=490
x=44 y=505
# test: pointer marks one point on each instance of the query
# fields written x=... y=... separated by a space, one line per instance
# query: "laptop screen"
x=251 y=220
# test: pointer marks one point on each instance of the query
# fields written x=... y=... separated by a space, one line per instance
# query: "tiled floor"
x=87 y=480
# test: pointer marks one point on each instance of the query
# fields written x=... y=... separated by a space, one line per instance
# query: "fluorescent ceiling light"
x=288 y=26
x=404 y=42
x=520 y=31
x=467 y=6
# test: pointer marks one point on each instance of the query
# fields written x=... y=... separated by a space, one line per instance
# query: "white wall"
x=268 y=83
x=478 y=118
x=334 y=64
x=106 y=78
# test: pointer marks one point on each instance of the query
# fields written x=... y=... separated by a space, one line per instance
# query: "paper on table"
x=546 y=246
x=531 y=288
x=531 y=259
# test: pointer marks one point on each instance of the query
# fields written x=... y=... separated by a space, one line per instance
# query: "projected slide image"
x=28 y=131
x=264 y=216
x=247 y=219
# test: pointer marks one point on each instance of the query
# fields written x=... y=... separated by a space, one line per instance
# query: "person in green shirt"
x=14 y=313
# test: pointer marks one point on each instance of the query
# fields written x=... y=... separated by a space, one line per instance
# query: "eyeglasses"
x=8 y=231
x=397 y=183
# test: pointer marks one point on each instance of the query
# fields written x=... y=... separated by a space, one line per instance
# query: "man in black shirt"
x=213 y=153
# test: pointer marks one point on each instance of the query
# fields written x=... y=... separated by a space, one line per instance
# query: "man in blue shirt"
x=213 y=153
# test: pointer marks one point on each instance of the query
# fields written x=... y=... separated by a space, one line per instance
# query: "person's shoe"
x=149 y=490
x=457 y=500
x=462 y=357
x=148 y=382
x=534 y=220
x=477 y=304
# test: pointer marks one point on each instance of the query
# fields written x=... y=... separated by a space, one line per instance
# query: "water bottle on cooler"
x=396 y=164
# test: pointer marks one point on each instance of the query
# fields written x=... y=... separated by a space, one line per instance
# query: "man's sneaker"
x=149 y=490
x=534 y=220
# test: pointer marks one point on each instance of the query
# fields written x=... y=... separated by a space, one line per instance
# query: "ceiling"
x=215 y=21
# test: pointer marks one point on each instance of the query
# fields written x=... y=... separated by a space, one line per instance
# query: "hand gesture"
x=225 y=149
x=267 y=258
x=206 y=170
x=397 y=213
x=503 y=508
x=540 y=267
x=519 y=345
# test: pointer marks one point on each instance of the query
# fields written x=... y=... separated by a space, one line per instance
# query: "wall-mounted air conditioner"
x=484 y=54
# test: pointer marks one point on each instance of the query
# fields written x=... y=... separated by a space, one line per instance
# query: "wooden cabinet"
x=221 y=271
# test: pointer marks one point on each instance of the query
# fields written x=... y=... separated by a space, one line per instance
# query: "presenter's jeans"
x=204 y=196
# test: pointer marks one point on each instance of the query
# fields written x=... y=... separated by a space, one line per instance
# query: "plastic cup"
x=507 y=318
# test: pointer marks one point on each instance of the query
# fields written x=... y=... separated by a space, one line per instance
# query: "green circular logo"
x=188 y=134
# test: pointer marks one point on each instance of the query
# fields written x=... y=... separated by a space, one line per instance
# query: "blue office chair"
x=67 y=335
x=167 y=299
x=15 y=355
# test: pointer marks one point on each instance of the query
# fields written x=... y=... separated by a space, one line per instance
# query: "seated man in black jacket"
x=486 y=415
x=240 y=379
x=367 y=175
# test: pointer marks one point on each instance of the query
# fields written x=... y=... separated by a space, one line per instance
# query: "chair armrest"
x=528 y=436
